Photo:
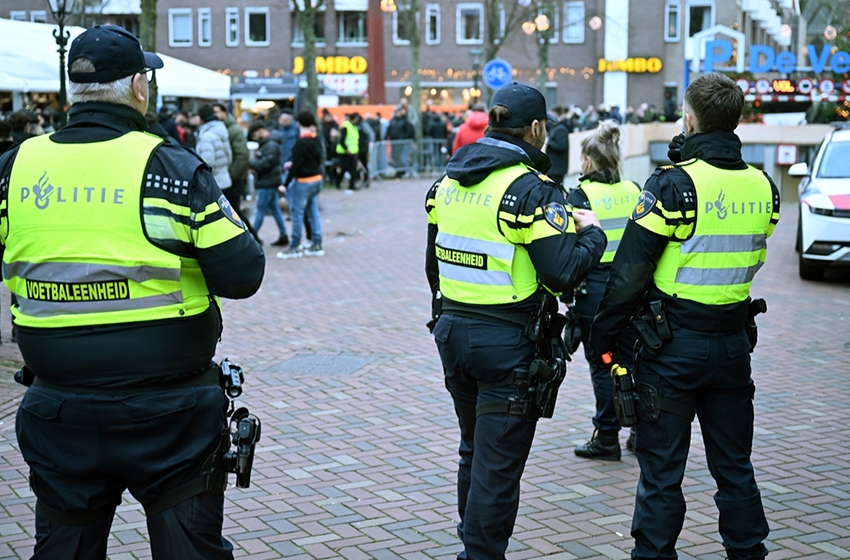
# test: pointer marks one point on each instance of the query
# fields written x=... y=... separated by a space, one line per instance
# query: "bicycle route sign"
x=497 y=73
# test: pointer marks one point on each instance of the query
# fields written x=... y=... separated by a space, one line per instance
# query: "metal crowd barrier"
x=390 y=159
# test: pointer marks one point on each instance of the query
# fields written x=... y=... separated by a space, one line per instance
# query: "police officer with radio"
x=501 y=241
x=117 y=245
x=684 y=267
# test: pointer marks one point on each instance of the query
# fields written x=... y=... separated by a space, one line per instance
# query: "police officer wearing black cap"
x=500 y=237
x=117 y=245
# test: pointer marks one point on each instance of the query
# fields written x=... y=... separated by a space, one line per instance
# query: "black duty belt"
x=210 y=377
x=513 y=319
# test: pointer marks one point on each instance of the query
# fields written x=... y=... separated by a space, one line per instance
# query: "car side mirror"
x=800 y=169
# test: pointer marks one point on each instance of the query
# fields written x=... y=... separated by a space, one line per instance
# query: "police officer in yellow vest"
x=116 y=244
x=347 y=148
x=690 y=251
x=499 y=234
x=602 y=190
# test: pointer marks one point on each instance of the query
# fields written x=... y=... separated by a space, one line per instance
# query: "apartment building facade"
x=616 y=52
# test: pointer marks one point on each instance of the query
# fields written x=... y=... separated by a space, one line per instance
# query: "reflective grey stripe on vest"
x=612 y=246
x=80 y=272
x=717 y=276
x=38 y=308
x=474 y=275
x=724 y=243
x=471 y=245
x=613 y=223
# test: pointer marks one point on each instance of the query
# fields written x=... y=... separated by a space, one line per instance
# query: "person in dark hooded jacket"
x=500 y=235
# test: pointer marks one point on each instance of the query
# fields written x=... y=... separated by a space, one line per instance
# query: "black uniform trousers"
x=347 y=162
x=85 y=450
x=710 y=372
x=605 y=419
x=493 y=447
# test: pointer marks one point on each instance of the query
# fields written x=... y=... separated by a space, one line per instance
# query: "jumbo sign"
x=765 y=59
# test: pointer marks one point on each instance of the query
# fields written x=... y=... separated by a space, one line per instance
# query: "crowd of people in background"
x=331 y=152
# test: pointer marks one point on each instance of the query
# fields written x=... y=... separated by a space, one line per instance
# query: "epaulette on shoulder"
x=662 y=169
x=546 y=179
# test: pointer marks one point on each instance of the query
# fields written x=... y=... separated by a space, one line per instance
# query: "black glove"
x=674 y=151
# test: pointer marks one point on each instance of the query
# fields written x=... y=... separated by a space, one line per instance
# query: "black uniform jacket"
x=561 y=261
x=630 y=282
x=148 y=352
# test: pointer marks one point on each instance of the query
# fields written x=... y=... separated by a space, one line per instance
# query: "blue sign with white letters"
x=765 y=59
x=497 y=73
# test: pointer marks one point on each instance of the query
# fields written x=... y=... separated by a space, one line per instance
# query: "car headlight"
x=831 y=212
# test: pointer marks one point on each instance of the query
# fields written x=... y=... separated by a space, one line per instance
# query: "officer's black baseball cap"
x=525 y=103
x=115 y=53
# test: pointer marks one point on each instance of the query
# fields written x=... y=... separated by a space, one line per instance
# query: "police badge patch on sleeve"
x=645 y=204
x=556 y=216
x=229 y=212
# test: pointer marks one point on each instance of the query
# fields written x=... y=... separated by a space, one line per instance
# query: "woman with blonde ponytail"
x=602 y=190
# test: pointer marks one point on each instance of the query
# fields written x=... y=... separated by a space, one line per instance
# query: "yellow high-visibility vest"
x=716 y=265
x=352 y=139
x=76 y=252
x=477 y=264
x=613 y=204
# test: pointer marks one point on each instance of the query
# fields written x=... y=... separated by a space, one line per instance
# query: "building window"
x=231 y=27
x=180 y=27
x=257 y=27
x=432 y=19
x=470 y=24
x=318 y=29
x=671 y=21
x=18 y=15
x=204 y=27
x=700 y=18
x=401 y=33
x=574 y=22
x=352 y=28
x=38 y=16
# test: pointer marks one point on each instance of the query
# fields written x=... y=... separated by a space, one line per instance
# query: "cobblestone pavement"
x=358 y=454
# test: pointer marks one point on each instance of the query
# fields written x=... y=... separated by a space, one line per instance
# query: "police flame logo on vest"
x=43 y=189
x=743 y=207
x=609 y=202
x=453 y=194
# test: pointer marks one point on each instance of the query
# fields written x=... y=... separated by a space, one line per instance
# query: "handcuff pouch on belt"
x=538 y=383
x=652 y=327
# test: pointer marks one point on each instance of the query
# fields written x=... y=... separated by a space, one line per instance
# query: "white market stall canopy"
x=29 y=63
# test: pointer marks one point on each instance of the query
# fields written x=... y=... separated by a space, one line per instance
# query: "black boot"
x=602 y=445
x=630 y=443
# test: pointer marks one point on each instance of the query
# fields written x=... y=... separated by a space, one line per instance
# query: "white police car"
x=823 y=232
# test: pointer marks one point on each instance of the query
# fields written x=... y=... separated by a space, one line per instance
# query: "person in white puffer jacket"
x=214 y=146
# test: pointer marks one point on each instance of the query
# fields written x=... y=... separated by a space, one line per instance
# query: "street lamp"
x=475 y=55
x=60 y=10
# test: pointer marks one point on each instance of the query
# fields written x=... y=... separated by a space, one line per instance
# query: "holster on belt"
x=756 y=306
x=537 y=384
